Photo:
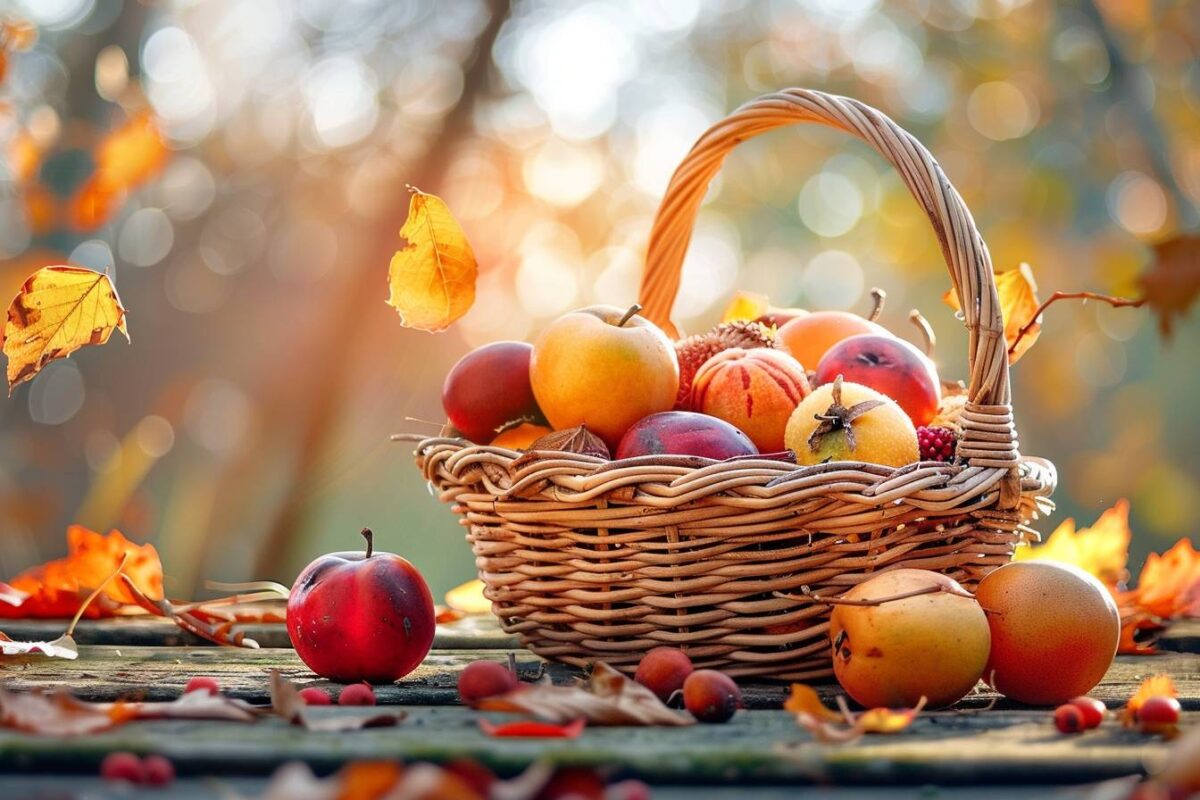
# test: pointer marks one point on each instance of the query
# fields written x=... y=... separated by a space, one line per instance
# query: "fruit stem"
x=878 y=601
x=370 y=537
x=926 y=330
x=630 y=314
x=878 y=298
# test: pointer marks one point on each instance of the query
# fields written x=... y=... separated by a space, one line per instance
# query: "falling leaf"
x=610 y=698
x=529 y=729
x=62 y=647
x=1172 y=282
x=1102 y=549
x=57 y=588
x=58 y=311
x=1018 y=304
x=804 y=700
x=1155 y=686
x=127 y=157
x=287 y=703
x=432 y=277
x=468 y=598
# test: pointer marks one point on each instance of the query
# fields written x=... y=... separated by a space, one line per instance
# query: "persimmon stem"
x=95 y=593
x=878 y=601
x=630 y=314
x=927 y=334
x=370 y=537
x=878 y=298
x=1115 y=302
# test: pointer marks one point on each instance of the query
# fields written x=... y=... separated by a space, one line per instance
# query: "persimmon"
x=926 y=638
x=1054 y=628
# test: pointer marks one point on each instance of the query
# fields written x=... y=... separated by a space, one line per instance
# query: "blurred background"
x=238 y=167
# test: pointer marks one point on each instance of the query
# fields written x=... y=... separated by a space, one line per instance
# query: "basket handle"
x=988 y=435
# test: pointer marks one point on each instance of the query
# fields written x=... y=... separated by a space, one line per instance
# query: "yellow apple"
x=603 y=367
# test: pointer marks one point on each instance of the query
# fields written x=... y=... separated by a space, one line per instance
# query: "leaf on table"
x=468 y=598
x=52 y=714
x=1169 y=584
x=58 y=587
x=62 y=647
x=188 y=617
x=609 y=698
x=57 y=311
x=1172 y=282
x=369 y=780
x=287 y=703
x=804 y=700
x=831 y=727
x=1160 y=685
x=190 y=705
x=530 y=729
x=14 y=597
x=1102 y=549
x=1018 y=304
x=432 y=277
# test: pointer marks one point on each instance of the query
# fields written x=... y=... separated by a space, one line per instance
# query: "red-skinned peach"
x=684 y=433
x=888 y=365
x=488 y=387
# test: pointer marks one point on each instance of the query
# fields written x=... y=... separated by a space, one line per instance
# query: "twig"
x=927 y=334
x=249 y=586
x=252 y=597
x=218 y=634
x=1115 y=302
x=878 y=298
x=95 y=593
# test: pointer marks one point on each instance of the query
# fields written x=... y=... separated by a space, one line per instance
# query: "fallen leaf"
x=187 y=616
x=849 y=728
x=887 y=720
x=468 y=598
x=529 y=729
x=373 y=780
x=190 y=705
x=14 y=597
x=1018 y=304
x=572 y=440
x=432 y=277
x=287 y=703
x=1160 y=685
x=1169 y=584
x=1102 y=549
x=57 y=311
x=609 y=698
x=804 y=700
x=60 y=714
x=62 y=647
x=1172 y=282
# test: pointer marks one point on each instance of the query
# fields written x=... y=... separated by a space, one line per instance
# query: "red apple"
x=488 y=387
x=888 y=365
x=685 y=433
x=361 y=616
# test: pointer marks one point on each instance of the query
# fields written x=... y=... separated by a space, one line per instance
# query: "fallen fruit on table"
x=663 y=671
x=1093 y=710
x=603 y=367
x=811 y=336
x=695 y=350
x=483 y=679
x=931 y=642
x=844 y=421
x=361 y=616
x=159 y=770
x=684 y=433
x=1054 y=628
x=1069 y=719
x=489 y=387
x=315 y=697
x=888 y=365
x=122 y=766
x=754 y=390
x=711 y=696
x=201 y=683
x=357 y=694
x=1159 y=714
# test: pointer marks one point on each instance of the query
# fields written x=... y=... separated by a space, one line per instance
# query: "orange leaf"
x=131 y=154
x=432 y=277
x=58 y=311
x=1169 y=584
x=1172 y=283
x=875 y=720
x=1154 y=686
x=804 y=700
x=1018 y=303
x=886 y=720
x=57 y=588
x=1102 y=549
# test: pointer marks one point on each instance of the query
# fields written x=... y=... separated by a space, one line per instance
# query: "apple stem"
x=927 y=334
x=370 y=537
x=630 y=314
x=878 y=297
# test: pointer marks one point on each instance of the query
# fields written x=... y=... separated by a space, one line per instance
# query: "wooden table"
x=1007 y=751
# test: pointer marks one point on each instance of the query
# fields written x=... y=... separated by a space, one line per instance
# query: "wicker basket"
x=591 y=560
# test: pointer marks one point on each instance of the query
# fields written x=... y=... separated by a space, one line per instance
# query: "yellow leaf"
x=432 y=277
x=468 y=598
x=804 y=700
x=746 y=305
x=58 y=311
x=1102 y=549
x=887 y=720
x=1018 y=304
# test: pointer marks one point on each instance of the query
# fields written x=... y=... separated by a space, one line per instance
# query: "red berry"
x=1158 y=714
x=711 y=696
x=122 y=766
x=315 y=697
x=482 y=679
x=202 y=683
x=936 y=443
x=1069 y=719
x=1093 y=710
x=663 y=671
x=628 y=790
x=159 y=770
x=357 y=694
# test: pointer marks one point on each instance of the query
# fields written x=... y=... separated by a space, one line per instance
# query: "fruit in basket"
x=888 y=365
x=520 y=436
x=843 y=421
x=756 y=390
x=605 y=368
x=684 y=433
x=361 y=616
x=482 y=679
x=663 y=671
x=1055 y=630
x=936 y=443
x=932 y=645
x=809 y=337
x=488 y=387
x=694 y=351
x=711 y=696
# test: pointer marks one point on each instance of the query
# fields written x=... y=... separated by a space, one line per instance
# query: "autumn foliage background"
x=239 y=169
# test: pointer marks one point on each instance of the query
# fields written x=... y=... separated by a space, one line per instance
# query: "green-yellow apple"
x=603 y=367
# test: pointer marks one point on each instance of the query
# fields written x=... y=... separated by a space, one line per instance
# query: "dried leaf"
x=57 y=588
x=60 y=714
x=1169 y=584
x=1102 y=549
x=190 y=705
x=610 y=698
x=432 y=277
x=371 y=780
x=1172 y=283
x=1018 y=303
x=58 y=311
x=14 y=597
x=1155 y=686
x=572 y=440
x=62 y=647
x=529 y=729
x=746 y=306
x=468 y=598
x=875 y=720
x=804 y=700
x=287 y=703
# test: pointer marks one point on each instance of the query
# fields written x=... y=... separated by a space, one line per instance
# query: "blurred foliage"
x=239 y=166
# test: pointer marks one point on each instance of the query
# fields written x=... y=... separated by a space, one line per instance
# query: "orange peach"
x=754 y=390
x=809 y=337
